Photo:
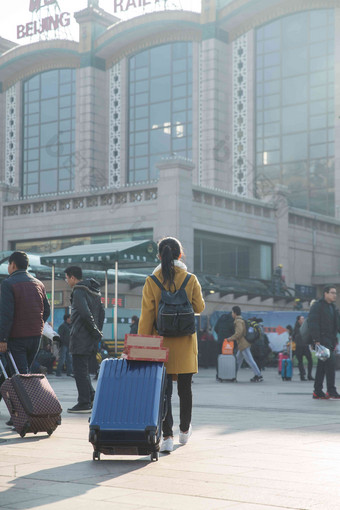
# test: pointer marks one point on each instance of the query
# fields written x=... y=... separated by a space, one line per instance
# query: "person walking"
x=323 y=325
x=182 y=362
x=64 y=352
x=23 y=311
x=24 y=308
x=301 y=350
x=87 y=319
x=244 y=352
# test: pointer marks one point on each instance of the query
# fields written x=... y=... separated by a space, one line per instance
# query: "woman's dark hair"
x=169 y=249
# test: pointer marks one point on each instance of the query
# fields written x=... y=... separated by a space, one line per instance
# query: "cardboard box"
x=143 y=341
x=136 y=353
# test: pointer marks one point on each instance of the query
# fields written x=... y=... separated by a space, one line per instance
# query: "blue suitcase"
x=287 y=370
x=128 y=408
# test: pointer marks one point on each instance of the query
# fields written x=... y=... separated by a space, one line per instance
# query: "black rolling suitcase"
x=128 y=408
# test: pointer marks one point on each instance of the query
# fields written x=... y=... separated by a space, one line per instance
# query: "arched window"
x=160 y=107
x=48 y=132
x=295 y=108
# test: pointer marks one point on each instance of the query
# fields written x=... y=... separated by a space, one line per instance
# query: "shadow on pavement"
x=60 y=483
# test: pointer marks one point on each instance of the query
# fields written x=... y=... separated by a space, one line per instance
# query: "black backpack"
x=253 y=331
x=176 y=316
x=305 y=333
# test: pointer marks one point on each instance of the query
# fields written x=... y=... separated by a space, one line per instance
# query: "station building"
x=221 y=128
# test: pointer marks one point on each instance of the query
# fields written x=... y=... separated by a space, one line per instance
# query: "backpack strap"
x=157 y=282
x=186 y=279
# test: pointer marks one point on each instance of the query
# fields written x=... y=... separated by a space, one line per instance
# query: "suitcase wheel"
x=25 y=429
x=154 y=456
x=49 y=432
x=96 y=455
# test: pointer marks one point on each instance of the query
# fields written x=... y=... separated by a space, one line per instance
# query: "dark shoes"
x=320 y=395
x=333 y=396
x=80 y=409
x=311 y=378
x=303 y=378
x=257 y=378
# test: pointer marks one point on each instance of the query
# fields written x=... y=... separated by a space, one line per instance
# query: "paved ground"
x=254 y=446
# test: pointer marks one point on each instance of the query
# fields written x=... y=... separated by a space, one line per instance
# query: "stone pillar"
x=281 y=249
x=7 y=193
x=337 y=110
x=174 y=214
x=91 y=138
x=215 y=162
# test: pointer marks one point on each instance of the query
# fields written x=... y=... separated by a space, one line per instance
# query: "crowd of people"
x=25 y=309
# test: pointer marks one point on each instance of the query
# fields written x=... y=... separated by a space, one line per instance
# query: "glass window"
x=49 y=84
x=47 y=133
x=294 y=147
x=294 y=90
x=295 y=101
x=231 y=256
x=294 y=118
x=159 y=107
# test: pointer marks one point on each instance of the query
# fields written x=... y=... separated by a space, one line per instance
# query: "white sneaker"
x=184 y=437
x=167 y=445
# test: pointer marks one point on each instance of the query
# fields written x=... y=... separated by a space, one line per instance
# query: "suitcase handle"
x=3 y=370
x=13 y=362
x=9 y=356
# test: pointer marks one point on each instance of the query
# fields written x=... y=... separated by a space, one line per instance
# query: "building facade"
x=219 y=127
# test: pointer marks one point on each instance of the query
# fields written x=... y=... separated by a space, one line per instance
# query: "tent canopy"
x=103 y=256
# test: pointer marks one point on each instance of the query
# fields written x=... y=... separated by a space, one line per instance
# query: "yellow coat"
x=182 y=350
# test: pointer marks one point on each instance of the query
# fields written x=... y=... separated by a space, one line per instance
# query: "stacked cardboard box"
x=145 y=348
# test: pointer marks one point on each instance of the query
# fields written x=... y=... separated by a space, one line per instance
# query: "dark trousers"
x=24 y=351
x=185 y=403
x=325 y=368
x=301 y=351
x=64 y=357
x=83 y=379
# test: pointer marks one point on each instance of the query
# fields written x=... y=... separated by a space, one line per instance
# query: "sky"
x=16 y=12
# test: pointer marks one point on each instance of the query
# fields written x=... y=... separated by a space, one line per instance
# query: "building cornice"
x=23 y=61
x=154 y=40
x=267 y=14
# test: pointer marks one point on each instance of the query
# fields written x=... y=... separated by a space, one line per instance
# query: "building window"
x=160 y=107
x=295 y=108
x=49 y=132
x=231 y=256
x=42 y=246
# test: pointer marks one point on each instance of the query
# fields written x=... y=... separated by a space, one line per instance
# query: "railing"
x=86 y=200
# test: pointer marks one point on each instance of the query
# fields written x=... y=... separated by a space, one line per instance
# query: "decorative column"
x=174 y=202
x=91 y=115
x=281 y=249
x=337 y=110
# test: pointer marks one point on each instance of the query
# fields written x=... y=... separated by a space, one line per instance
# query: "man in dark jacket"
x=87 y=319
x=323 y=324
x=24 y=309
x=64 y=331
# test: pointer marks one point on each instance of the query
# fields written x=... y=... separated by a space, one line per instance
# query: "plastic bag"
x=322 y=352
x=227 y=346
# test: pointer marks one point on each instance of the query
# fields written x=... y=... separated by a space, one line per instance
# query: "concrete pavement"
x=254 y=446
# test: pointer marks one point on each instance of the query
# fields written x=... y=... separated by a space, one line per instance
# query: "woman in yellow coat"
x=182 y=360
